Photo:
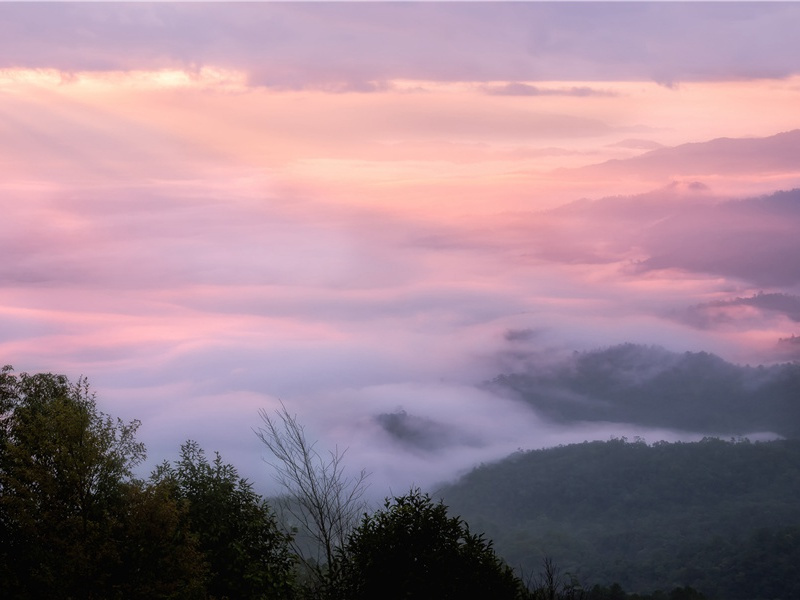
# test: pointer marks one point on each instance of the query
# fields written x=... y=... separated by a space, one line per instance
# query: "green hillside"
x=722 y=517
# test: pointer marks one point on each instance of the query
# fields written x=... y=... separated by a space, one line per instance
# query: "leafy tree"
x=413 y=549
x=247 y=555
x=64 y=467
x=159 y=555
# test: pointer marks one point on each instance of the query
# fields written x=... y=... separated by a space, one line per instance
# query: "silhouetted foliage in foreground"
x=236 y=531
x=75 y=523
x=414 y=549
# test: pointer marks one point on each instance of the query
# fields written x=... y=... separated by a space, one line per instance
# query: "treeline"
x=719 y=516
x=76 y=524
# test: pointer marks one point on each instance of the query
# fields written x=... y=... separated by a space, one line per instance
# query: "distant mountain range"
x=649 y=386
x=732 y=156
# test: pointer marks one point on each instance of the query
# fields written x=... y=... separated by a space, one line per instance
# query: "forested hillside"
x=76 y=523
x=722 y=517
x=712 y=519
x=648 y=385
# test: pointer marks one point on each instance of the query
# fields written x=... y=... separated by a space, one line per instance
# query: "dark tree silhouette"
x=247 y=554
x=64 y=471
x=413 y=549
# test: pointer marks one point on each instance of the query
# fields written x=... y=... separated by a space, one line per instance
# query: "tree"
x=64 y=467
x=321 y=501
x=159 y=556
x=552 y=584
x=412 y=549
x=75 y=523
x=247 y=555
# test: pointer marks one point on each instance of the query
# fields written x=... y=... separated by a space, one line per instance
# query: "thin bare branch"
x=320 y=499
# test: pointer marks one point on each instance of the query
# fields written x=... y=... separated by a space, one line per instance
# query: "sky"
x=358 y=209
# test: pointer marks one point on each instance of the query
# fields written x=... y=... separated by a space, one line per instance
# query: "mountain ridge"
x=719 y=516
x=650 y=386
x=723 y=155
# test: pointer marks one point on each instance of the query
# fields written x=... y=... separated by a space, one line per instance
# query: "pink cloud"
x=297 y=45
x=195 y=221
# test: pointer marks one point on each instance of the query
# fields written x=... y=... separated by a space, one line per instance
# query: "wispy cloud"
x=295 y=44
x=368 y=209
x=524 y=89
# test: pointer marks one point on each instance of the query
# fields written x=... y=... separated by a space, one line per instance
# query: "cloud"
x=719 y=157
x=678 y=227
x=293 y=45
x=637 y=144
x=746 y=239
x=238 y=204
x=191 y=308
x=768 y=314
x=524 y=89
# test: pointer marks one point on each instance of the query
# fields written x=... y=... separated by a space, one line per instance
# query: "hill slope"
x=729 y=156
x=647 y=385
x=719 y=516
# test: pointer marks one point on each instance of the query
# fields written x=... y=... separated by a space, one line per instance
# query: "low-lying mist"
x=424 y=345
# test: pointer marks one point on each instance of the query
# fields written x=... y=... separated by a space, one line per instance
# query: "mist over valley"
x=449 y=239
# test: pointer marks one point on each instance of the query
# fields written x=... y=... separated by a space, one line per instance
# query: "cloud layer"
x=357 y=46
x=365 y=211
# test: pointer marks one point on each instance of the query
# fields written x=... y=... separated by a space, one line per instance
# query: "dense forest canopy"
x=720 y=516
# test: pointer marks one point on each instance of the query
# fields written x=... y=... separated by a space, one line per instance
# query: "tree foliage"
x=721 y=517
x=248 y=557
x=655 y=516
x=414 y=549
x=65 y=477
x=158 y=554
x=75 y=522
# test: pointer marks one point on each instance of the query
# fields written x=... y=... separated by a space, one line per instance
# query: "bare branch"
x=320 y=500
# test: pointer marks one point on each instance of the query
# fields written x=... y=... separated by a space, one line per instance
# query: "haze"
x=363 y=209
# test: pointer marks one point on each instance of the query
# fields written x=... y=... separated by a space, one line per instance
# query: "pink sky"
x=209 y=207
